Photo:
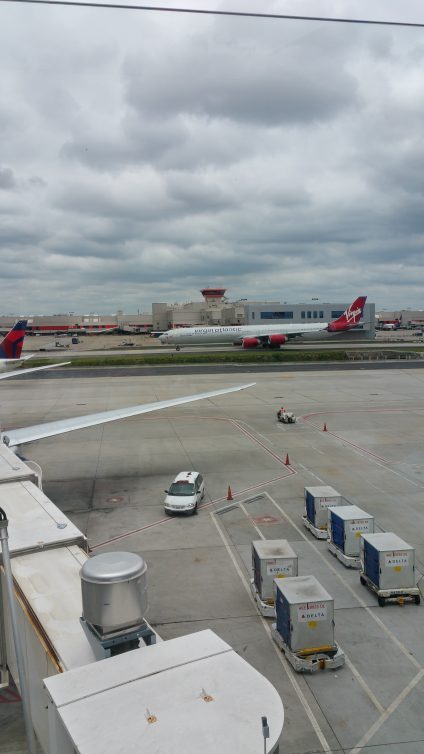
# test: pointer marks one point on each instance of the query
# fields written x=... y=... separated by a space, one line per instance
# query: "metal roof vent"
x=114 y=602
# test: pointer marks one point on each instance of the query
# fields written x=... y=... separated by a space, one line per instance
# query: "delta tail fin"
x=350 y=318
x=11 y=345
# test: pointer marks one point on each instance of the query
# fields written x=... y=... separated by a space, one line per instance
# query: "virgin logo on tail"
x=353 y=314
x=350 y=318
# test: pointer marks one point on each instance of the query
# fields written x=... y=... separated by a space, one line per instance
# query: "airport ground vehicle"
x=286 y=417
x=185 y=492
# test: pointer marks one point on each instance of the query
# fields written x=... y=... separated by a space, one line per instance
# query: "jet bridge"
x=189 y=692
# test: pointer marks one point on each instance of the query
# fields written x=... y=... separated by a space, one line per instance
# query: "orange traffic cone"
x=325 y=427
x=229 y=494
x=287 y=461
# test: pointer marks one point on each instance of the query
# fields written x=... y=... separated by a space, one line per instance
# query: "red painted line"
x=133 y=531
x=9 y=696
x=360 y=410
x=359 y=447
x=290 y=472
x=306 y=418
x=258 y=442
x=201 y=507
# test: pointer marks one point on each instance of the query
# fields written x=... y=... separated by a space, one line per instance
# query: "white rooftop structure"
x=12 y=469
x=191 y=694
x=35 y=522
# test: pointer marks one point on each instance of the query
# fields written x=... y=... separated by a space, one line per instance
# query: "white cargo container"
x=305 y=614
x=271 y=559
x=388 y=561
x=317 y=501
x=346 y=523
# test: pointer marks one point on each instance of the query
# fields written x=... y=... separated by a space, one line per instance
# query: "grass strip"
x=239 y=357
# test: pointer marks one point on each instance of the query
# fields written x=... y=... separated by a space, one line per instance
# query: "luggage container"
x=388 y=567
x=271 y=559
x=317 y=500
x=304 y=627
x=346 y=523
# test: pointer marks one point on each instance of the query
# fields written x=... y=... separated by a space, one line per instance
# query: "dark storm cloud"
x=150 y=156
x=13 y=236
x=180 y=142
x=7 y=179
x=240 y=82
x=36 y=182
x=131 y=143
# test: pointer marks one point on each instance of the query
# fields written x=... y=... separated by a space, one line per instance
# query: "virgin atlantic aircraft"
x=265 y=336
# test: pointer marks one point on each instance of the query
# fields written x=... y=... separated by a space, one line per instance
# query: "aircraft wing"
x=19 y=372
x=29 y=434
x=101 y=332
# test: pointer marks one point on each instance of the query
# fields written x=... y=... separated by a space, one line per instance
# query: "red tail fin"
x=350 y=318
x=11 y=345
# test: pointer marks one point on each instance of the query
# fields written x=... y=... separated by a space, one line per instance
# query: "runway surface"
x=209 y=369
x=110 y=481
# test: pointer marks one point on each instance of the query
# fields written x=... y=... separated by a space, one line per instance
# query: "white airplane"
x=15 y=437
x=267 y=336
x=11 y=349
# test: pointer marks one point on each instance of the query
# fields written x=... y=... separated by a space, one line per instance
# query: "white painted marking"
x=251 y=520
x=364 y=685
x=396 y=473
x=310 y=472
x=385 y=716
x=363 y=451
x=304 y=702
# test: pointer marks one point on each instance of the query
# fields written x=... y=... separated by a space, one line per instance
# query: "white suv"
x=185 y=492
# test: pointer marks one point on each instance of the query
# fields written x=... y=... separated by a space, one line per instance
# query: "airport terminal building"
x=217 y=310
x=214 y=310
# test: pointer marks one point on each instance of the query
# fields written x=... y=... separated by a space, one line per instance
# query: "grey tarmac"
x=110 y=480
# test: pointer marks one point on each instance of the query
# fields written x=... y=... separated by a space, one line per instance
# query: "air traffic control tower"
x=213 y=296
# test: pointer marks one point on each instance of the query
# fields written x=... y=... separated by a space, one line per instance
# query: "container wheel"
x=417 y=599
x=382 y=601
x=362 y=580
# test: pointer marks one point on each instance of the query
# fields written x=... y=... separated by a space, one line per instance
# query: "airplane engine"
x=251 y=342
x=275 y=341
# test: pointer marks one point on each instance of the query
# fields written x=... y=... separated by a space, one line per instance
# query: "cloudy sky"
x=144 y=156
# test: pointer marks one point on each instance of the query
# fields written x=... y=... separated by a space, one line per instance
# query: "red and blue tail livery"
x=11 y=345
x=10 y=353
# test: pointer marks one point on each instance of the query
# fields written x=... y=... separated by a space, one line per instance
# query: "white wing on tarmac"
x=19 y=372
x=38 y=432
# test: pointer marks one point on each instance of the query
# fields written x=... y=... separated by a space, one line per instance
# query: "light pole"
x=265 y=731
